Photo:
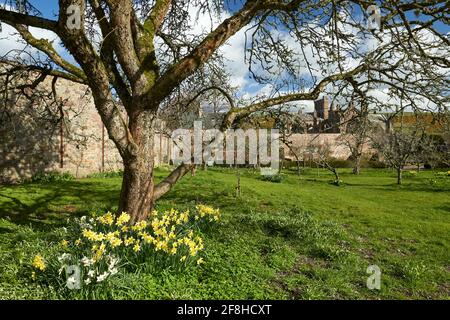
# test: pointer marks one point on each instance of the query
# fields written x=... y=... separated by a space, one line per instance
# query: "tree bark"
x=399 y=175
x=336 y=176
x=357 y=165
x=137 y=196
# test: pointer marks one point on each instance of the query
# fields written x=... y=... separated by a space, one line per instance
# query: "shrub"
x=99 y=247
x=276 y=178
x=52 y=176
x=107 y=174
x=411 y=173
x=442 y=174
x=376 y=164
x=339 y=163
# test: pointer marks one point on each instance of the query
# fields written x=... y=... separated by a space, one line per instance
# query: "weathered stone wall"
x=335 y=142
x=35 y=138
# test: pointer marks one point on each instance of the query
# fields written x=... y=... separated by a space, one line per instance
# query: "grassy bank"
x=303 y=238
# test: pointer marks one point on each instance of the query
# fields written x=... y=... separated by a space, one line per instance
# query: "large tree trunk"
x=136 y=196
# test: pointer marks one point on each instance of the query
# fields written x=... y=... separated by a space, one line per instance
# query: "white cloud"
x=232 y=50
x=11 y=43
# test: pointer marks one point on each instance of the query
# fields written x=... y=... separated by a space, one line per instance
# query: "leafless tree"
x=139 y=53
x=356 y=135
x=321 y=156
x=288 y=123
x=445 y=152
x=401 y=144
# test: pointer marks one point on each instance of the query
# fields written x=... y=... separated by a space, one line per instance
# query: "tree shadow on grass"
x=444 y=207
x=49 y=205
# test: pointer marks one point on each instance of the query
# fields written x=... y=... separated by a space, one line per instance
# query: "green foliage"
x=375 y=164
x=53 y=176
x=442 y=174
x=276 y=178
x=338 y=163
x=106 y=174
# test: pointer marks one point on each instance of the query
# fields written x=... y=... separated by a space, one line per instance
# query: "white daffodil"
x=102 y=277
x=87 y=261
x=113 y=271
x=64 y=257
x=112 y=261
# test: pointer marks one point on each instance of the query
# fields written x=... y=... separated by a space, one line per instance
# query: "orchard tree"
x=356 y=135
x=138 y=54
x=403 y=143
x=321 y=155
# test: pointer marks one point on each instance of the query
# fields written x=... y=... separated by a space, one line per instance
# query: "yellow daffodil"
x=111 y=235
x=115 y=242
x=99 y=252
x=92 y=235
x=123 y=219
x=204 y=211
x=38 y=263
x=64 y=243
x=107 y=219
x=141 y=225
x=129 y=241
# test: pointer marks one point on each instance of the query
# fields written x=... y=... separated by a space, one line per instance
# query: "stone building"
x=329 y=119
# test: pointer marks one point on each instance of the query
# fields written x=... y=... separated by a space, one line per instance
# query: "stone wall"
x=34 y=137
x=334 y=141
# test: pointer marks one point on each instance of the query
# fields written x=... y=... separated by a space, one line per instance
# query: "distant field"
x=303 y=238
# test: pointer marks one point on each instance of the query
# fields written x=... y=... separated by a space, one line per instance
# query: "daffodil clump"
x=38 y=265
x=207 y=212
x=101 y=245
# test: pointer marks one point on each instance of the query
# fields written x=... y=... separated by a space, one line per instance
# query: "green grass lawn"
x=303 y=238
